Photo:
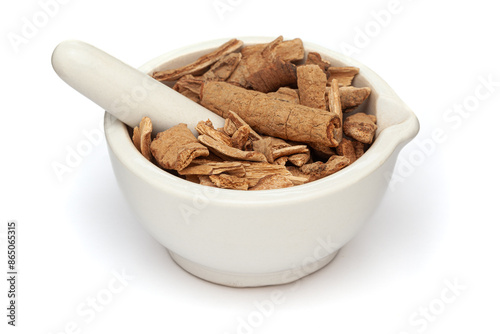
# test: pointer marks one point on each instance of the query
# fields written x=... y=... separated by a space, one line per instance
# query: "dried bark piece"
x=269 y=51
x=255 y=57
x=361 y=127
x=226 y=181
x=239 y=122
x=277 y=74
x=229 y=127
x=222 y=69
x=290 y=150
x=285 y=94
x=136 y=138
x=205 y=181
x=189 y=82
x=314 y=58
x=176 y=147
x=274 y=181
x=228 y=152
x=346 y=149
x=257 y=170
x=318 y=170
x=281 y=161
x=270 y=116
x=240 y=137
x=211 y=158
x=359 y=148
x=192 y=178
x=291 y=50
x=296 y=172
x=311 y=81
x=200 y=64
x=214 y=168
x=344 y=75
x=300 y=159
x=352 y=97
x=335 y=107
x=142 y=137
x=268 y=146
x=322 y=152
x=206 y=128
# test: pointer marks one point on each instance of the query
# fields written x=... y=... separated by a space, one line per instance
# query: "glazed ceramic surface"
x=255 y=238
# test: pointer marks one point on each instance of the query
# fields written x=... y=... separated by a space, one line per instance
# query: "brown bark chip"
x=318 y=170
x=228 y=152
x=176 y=147
x=291 y=150
x=299 y=159
x=274 y=181
x=239 y=122
x=142 y=137
x=361 y=127
x=200 y=64
x=335 y=108
x=229 y=127
x=257 y=170
x=206 y=128
x=268 y=146
x=344 y=75
x=214 y=168
x=270 y=116
x=258 y=56
x=277 y=74
x=352 y=97
x=346 y=149
x=291 y=50
x=226 y=181
x=189 y=82
x=205 y=181
x=223 y=69
x=240 y=137
x=314 y=58
x=311 y=81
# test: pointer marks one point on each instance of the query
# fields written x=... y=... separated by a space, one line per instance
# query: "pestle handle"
x=124 y=91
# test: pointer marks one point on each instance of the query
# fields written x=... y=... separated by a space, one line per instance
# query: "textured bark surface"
x=270 y=116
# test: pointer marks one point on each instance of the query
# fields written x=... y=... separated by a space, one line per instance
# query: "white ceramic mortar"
x=255 y=238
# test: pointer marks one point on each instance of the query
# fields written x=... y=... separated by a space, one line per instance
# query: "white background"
x=438 y=226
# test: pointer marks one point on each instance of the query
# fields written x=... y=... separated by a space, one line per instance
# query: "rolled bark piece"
x=270 y=116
